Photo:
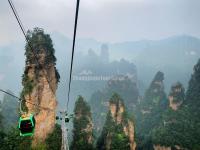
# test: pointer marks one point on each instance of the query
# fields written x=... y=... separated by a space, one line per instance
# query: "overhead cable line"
x=20 y=100
x=17 y=17
x=65 y=143
x=72 y=56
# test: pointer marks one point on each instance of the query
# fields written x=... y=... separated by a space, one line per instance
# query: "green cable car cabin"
x=26 y=125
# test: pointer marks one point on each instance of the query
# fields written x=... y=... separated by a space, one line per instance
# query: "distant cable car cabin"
x=26 y=125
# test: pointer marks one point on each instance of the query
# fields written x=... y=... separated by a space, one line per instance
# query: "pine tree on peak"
x=82 y=107
x=115 y=98
x=39 y=44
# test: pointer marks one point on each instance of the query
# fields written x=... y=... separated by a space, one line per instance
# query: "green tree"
x=12 y=141
x=193 y=105
x=54 y=140
x=39 y=40
x=182 y=127
x=83 y=127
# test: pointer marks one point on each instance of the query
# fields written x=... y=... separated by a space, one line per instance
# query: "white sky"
x=103 y=20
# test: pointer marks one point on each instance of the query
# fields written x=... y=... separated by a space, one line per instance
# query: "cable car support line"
x=20 y=100
x=72 y=56
x=65 y=144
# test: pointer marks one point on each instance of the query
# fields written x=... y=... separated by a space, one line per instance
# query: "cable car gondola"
x=26 y=125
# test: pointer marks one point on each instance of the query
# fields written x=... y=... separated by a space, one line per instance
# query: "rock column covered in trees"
x=119 y=131
x=40 y=81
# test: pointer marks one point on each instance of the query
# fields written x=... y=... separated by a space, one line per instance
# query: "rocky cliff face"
x=176 y=96
x=40 y=81
x=174 y=105
x=118 y=129
x=117 y=110
x=43 y=96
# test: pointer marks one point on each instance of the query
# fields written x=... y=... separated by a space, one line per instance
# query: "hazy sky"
x=104 y=20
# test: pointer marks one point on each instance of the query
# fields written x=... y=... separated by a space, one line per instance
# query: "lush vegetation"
x=156 y=122
x=149 y=111
x=12 y=141
x=39 y=42
x=125 y=87
x=54 y=140
x=179 y=127
x=113 y=135
x=83 y=126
